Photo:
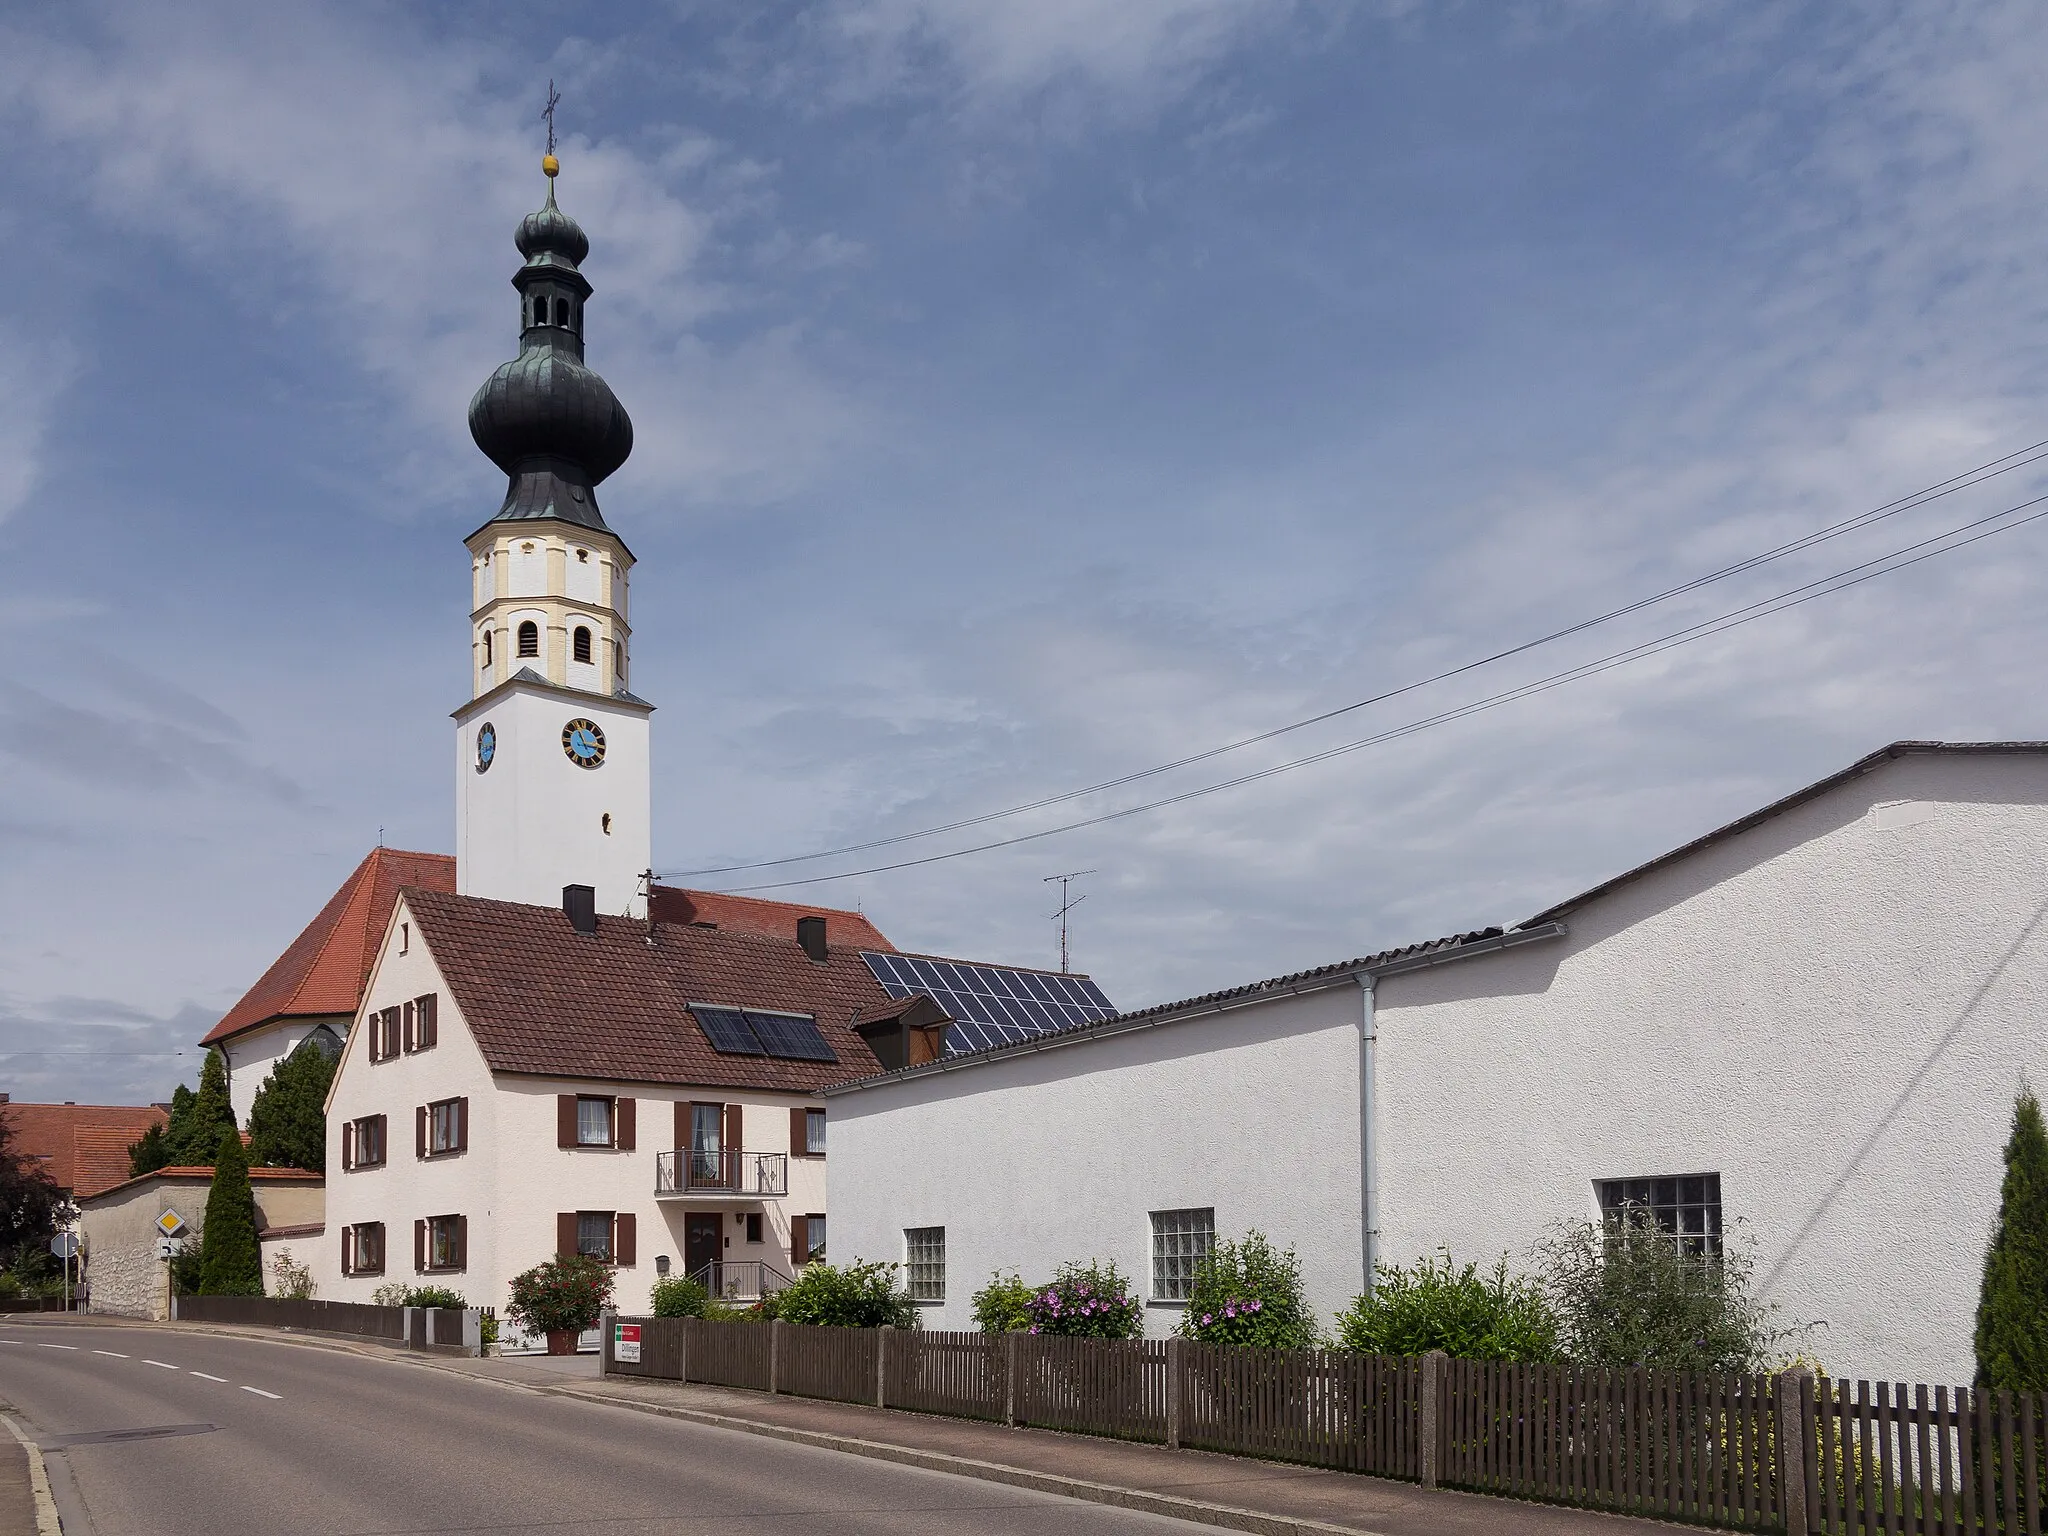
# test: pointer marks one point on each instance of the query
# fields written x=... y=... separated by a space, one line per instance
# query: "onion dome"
x=550 y=423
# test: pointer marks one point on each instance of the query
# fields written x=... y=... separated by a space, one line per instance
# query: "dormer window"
x=581 y=644
x=529 y=639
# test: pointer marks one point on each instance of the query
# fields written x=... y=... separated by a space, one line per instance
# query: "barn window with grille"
x=924 y=1255
x=1180 y=1241
x=1688 y=1206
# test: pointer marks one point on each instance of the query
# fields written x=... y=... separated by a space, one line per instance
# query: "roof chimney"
x=579 y=902
x=810 y=932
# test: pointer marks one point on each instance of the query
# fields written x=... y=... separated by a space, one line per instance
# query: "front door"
x=703 y=1244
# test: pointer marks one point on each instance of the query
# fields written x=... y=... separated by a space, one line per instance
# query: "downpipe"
x=1368 y=1125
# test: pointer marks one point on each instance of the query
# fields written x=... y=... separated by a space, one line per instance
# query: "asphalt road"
x=261 y=1438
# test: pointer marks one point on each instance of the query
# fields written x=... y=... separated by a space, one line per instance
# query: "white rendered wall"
x=513 y=1179
x=252 y=1057
x=1061 y=1154
x=1833 y=1011
x=535 y=821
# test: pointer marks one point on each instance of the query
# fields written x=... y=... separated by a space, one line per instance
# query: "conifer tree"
x=152 y=1152
x=288 y=1120
x=198 y=1119
x=230 y=1259
x=2012 y=1307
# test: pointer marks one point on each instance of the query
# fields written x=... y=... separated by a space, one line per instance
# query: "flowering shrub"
x=563 y=1293
x=1091 y=1301
x=1004 y=1304
x=1245 y=1293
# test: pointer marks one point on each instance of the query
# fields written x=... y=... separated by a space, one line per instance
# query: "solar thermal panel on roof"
x=726 y=1029
x=750 y=1032
x=992 y=1005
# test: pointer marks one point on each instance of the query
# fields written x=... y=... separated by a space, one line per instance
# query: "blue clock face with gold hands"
x=486 y=746
x=583 y=740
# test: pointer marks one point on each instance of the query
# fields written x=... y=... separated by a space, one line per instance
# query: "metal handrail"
x=762 y=1175
x=741 y=1279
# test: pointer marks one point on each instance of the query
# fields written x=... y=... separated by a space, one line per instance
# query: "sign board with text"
x=626 y=1342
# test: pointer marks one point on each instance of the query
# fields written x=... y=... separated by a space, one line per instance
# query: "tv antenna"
x=1067 y=904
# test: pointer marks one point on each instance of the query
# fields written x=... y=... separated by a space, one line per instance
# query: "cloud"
x=35 y=371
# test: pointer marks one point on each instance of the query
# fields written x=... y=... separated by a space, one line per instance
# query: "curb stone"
x=47 y=1523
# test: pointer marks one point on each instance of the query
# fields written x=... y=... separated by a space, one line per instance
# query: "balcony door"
x=703 y=1244
x=707 y=1146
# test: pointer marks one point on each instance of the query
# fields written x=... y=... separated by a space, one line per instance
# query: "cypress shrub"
x=230 y=1259
x=2012 y=1304
x=288 y=1120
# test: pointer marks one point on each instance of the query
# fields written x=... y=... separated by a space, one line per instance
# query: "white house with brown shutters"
x=641 y=1090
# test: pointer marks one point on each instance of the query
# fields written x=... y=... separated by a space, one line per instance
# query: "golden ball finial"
x=551 y=165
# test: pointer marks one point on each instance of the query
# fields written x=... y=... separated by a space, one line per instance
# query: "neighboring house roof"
x=83 y=1146
x=753 y=914
x=326 y=967
x=1545 y=924
x=195 y=1174
x=541 y=998
x=1813 y=791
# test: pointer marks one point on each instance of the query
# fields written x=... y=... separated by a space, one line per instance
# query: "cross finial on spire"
x=548 y=162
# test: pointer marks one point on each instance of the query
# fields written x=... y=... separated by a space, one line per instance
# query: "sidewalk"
x=1235 y=1492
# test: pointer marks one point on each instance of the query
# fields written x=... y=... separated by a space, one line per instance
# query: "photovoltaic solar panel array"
x=746 y=1032
x=990 y=1004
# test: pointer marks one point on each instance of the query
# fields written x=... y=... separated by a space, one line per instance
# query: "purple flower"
x=1256 y=1305
x=1207 y=1319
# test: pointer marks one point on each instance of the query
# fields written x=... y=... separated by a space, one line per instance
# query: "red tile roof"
x=327 y=966
x=771 y=919
x=84 y=1146
x=541 y=998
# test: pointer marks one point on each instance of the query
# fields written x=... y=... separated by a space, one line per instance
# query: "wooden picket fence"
x=1768 y=1453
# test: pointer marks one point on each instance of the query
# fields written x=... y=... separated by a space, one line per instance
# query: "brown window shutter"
x=374 y=1023
x=348 y=1257
x=377 y=1246
x=462 y=1242
x=462 y=1125
x=799 y=1240
x=733 y=1125
x=565 y=1119
x=427 y=1032
x=799 y=1128
x=625 y=1238
x=382 y=1152
x=419 y=1131
x=348 y=1144
x=682 y=1125
x=409 y=1045
x=625 y=1124
x=565 y=1234
x=419 y=1247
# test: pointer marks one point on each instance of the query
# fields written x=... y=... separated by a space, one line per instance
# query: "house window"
x=814 y=1226
x=386 y=1033
x=444 y=1127
x=420 y=1030
x=753 y=1226
x=446 y=1238
x=814 y=1133
x=706 y=1132
x=580 y=643
x=924 y=1256
x=594 y=1235
x=363 y=1142
x=1688 y=1206
x=1180 y=1240
x=529 y=638
x=362 y=1248
x=593 y=1122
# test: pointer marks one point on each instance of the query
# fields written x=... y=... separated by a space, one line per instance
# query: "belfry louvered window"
x=529 y=638
x=580 y=644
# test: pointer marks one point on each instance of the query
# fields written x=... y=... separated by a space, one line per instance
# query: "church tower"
x=551 y=750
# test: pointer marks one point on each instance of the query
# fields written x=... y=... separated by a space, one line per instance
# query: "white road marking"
x=41 y=1345
x=112 y=1354
x=204 y=1377
x=160 y=1365
x=273 y=1396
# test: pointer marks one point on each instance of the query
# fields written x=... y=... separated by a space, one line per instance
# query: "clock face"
x=583 y=740
x=486 y=745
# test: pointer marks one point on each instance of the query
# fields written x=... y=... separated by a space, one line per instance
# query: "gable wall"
x=1832 y=1010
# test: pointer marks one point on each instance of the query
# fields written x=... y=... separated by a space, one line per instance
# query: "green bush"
x=290 y=1279
x=1437 y=1305
x=10 y=1287
x=288 y=1120
x=564 y=1293
x=185 y=1268
x=2012 y=1304
x=435 y=1296
x=230 y=1259
x=857 y=1296
x=1087 y=1301
x=1003 y=1305
x=675 y=1296
x=1245 y=1293
x=1627 y=1293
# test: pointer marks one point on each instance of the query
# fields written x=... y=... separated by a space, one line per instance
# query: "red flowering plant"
x=1086 y=1301
x=1246 y=1293
x=563 y=1294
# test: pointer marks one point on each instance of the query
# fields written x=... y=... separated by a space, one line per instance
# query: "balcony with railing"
x=726 y=1175
x=741 y=1280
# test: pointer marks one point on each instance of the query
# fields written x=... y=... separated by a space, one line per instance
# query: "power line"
x=1793 y=597
x=2018 y=459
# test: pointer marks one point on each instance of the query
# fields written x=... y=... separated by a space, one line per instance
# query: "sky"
x=1028 y=394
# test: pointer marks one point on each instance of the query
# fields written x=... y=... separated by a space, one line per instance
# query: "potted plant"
x=560 y=1298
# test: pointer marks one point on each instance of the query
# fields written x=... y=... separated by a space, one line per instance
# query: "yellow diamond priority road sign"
x=170 y=1223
